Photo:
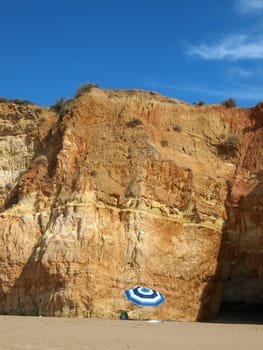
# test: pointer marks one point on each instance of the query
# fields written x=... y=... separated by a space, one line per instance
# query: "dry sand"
x=62 y=334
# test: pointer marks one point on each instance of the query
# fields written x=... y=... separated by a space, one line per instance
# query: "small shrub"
x=43 y=119
x=63 y=106
x=41 y=159
x=16 y=101
x=93 y=173
x=87 y=87
x=9 y=186
x=133 y=189
x=177 y=128
x=230 y=102
x=164 y=143
x=201 y=103
x=22 y=102
x=38 y=110
x=3 y=99
x=134 y=122
x=229 y=146
x=230 y=184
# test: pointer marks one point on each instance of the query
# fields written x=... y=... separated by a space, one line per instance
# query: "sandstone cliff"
x=130 y=188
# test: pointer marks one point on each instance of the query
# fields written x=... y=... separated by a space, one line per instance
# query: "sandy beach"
x=79 y=334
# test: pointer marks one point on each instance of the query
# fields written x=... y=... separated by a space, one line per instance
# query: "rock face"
x=130 y=188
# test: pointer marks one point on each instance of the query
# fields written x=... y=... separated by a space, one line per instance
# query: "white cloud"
x=235 y=47
x=248 y=6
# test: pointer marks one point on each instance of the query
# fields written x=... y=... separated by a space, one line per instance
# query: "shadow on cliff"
x=234 y=293
x=45 y=153
x=33 y=290
x=229 y=296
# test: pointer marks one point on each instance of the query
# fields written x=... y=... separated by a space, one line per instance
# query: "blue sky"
x=192 y=50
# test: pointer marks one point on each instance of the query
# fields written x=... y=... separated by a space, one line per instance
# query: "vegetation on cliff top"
x=230 y=102
x=64 y=105
x=17 y=101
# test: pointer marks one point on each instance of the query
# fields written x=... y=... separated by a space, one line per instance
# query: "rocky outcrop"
x=130 y=188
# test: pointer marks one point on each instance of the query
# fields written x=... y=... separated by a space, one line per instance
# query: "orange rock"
x=77 y=192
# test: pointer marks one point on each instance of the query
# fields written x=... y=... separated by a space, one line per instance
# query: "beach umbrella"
x=144 y=296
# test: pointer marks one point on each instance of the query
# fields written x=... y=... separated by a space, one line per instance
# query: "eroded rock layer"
x=130 y=188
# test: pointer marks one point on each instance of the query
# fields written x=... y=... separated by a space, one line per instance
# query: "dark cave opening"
x=240 y=312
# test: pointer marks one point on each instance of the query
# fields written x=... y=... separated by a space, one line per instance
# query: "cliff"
x=130 y=188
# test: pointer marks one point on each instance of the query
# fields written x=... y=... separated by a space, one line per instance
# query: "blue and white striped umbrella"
x=143 y=296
